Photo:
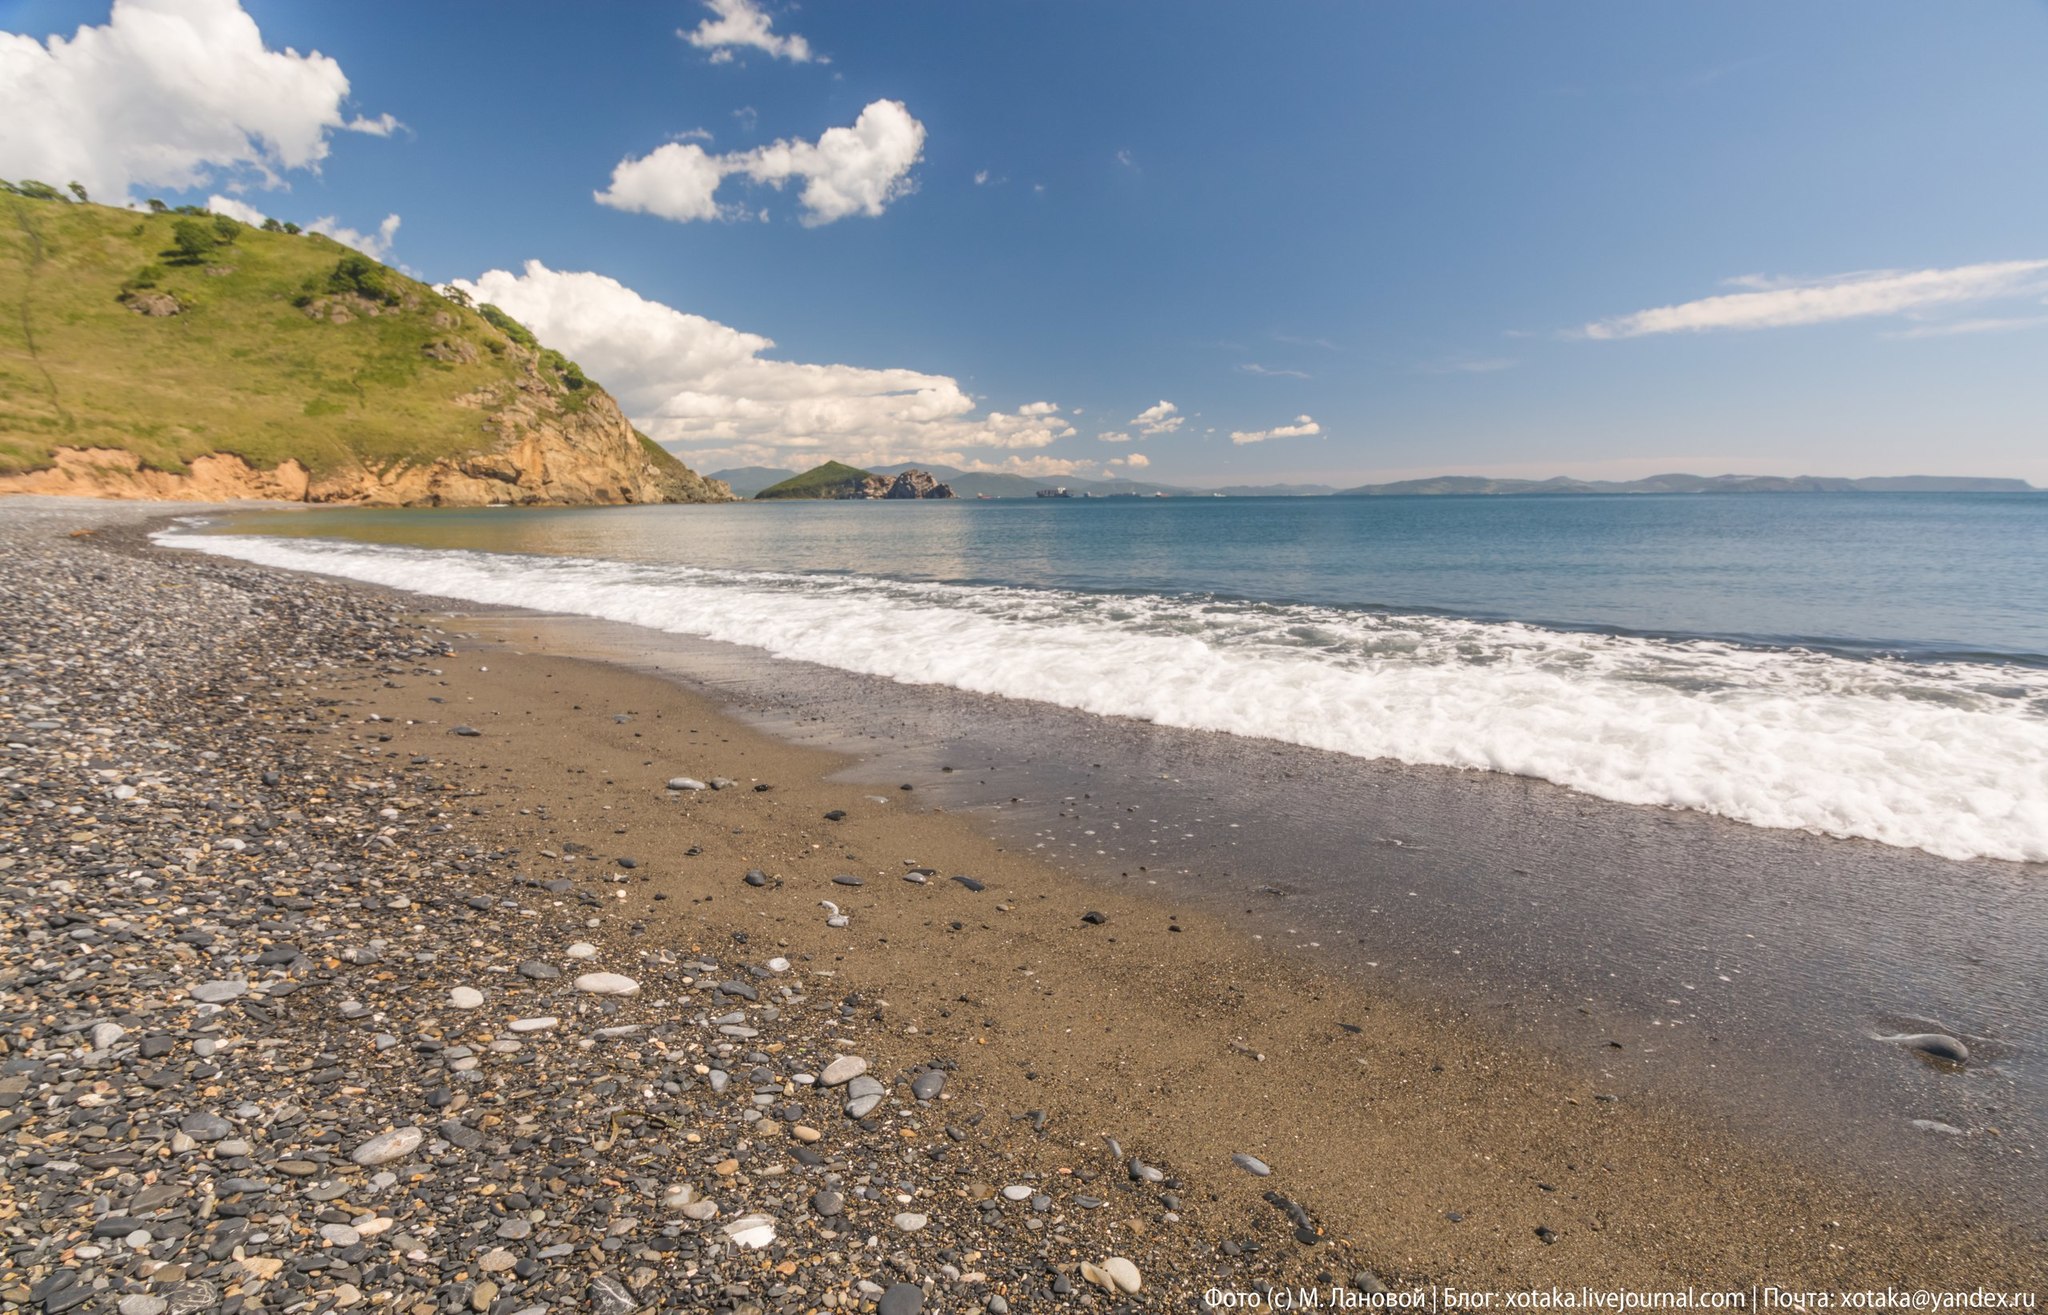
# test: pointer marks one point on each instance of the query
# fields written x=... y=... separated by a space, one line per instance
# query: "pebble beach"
x=354 y=956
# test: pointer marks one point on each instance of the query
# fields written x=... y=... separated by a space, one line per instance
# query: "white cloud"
x=1114 y=436
x=1040 y=466
x=711 y=389
x=381 y=126
x=1161 y=418
x=1303 y=427
x=1268 y=372
x=377 y=245
x=741 y=23
x=1123 y=157
x=857 y=170
x=167 y=94
x=981 y=177
x=233 y=209
x=1136 y=461
x=1772 y=303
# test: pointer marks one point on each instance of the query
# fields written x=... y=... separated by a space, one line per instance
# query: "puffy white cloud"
x=1303 y=427
x=1114 y=436
x=1773 y=303
x=1161 y=418
x=1135 y=461
x=710 y=389
x=742 y=23
x=855 y=170
x=1036 y=466
x=169 y=94
x=233 y=209
x=377 y=245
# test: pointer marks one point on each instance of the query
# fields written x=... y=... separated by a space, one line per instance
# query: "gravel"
x=278 y=1035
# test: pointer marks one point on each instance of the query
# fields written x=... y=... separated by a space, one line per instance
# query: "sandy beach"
x=464 y=804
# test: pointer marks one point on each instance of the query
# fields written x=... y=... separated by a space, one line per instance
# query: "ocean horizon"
x=1870 y=666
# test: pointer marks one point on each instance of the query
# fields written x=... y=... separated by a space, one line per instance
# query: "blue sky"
x=1368 y=240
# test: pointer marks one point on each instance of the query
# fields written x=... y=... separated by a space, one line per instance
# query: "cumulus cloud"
x=856 y=170
x=713 y=390
x=1162 y=417
x=742 y=24
x=1113 y=436
x=167 y=94
x=1036 y=466
x=377 y=245
x=1777 y=303
x=1303 y=427
x=233 y=209
x=1135 y=461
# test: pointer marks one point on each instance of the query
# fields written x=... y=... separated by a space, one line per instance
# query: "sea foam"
x=1951 y=758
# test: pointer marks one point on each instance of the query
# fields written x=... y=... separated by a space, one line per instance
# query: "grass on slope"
x=826 y=481
x=244 y=367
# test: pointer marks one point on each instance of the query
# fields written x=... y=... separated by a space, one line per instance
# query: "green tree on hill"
x=35 y=190
x=358 y=274
x=192 y=241
x=78 y=190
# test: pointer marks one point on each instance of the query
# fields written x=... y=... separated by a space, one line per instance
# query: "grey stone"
x=901 y=1299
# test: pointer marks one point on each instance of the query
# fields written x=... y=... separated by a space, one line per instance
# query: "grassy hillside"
x=172 y=336
x=830 y=480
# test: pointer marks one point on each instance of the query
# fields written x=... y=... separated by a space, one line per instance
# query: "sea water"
x=1859 y=665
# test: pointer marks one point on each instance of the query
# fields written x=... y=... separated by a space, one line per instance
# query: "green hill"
x=832 y=480
x=183 y=354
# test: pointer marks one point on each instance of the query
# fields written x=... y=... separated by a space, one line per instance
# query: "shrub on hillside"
x=364 y=277
x=34 y=190
x=508 y=326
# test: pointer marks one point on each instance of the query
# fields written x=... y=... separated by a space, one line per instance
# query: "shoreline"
x=1126 y=1028
x=1567 y=925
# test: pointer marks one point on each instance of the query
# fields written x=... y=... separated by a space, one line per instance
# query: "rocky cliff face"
x=548 y=449
x=908 y=484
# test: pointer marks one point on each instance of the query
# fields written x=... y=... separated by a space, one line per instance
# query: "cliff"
x=184 y=356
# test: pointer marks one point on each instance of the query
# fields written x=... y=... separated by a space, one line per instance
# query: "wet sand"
x=1433 y=1138
x=1747 y=972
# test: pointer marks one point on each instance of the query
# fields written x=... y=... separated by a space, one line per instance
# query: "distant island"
x=754 y=481
x=835 y=480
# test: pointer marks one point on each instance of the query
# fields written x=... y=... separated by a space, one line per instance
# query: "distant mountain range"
x=746 y=481
x=1480 y=484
